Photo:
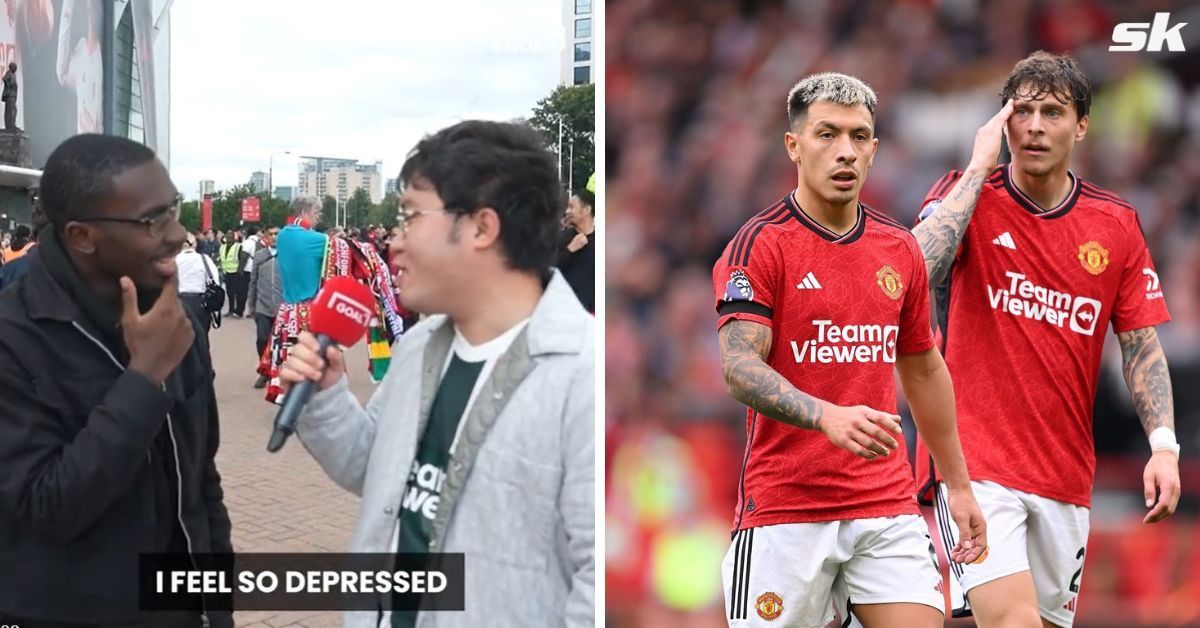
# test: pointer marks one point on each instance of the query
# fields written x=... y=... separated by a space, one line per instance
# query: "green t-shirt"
x=419 y=506
x=467 y=368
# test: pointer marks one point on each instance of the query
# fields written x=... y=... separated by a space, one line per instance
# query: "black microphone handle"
x=293 y=404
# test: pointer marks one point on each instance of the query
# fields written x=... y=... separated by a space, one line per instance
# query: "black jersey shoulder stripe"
x=1108 y=199
x=1112 y=198
x=948 y=183
x=780 y=219
x=940 y=182
x=1098 y=192
x=740 y=239
x=955 y=175
x=1092 y=187
x=883 y=218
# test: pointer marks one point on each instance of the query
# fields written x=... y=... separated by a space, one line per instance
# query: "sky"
x=357 y=79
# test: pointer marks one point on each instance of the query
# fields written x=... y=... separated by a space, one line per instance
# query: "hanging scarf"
x=342 y=258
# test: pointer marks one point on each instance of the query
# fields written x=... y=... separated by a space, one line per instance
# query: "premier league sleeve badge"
x=738 y=287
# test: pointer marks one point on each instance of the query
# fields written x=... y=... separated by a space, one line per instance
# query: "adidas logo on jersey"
x=810 y=282
x=1005 y=240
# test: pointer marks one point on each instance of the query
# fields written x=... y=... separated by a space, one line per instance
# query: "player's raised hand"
x=861 y=430
x=1161 y=485
x=158 y=339
x=987 y=140
x=972 y=529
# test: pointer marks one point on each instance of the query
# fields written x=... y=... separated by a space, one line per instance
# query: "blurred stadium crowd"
x=695 y=122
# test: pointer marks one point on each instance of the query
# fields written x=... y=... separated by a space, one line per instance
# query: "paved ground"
x=280 y=502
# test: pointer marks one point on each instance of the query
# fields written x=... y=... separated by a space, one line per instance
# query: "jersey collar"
x=1037 y=210
x=853 y=234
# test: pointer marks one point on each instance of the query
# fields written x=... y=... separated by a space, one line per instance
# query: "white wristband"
x=1163 y=439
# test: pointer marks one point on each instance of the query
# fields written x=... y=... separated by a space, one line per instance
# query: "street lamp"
x=271 y=171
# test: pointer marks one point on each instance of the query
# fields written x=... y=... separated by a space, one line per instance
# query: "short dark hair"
x=252 y=230
x=1043 y=73
x=81 y=170
x=588 y=199
x=501 y=165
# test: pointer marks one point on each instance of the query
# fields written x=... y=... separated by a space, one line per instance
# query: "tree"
x=357 y=207
x=575 y=107
x=329 y=211
x=385 y=212
x=227 y=210
x=189 y=216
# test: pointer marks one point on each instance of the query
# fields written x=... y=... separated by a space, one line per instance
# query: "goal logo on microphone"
x=350 y=308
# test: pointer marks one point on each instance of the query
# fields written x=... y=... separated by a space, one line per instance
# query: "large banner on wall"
x=61 y=69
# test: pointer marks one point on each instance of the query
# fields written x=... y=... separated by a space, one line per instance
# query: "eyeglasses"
x=157 y=222
x=405 y=217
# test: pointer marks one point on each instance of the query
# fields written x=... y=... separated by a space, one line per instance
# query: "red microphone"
x=340 y=314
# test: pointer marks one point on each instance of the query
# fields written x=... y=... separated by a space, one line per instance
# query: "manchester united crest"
x=1093 y=257
x=889 y=281
x=769 y=605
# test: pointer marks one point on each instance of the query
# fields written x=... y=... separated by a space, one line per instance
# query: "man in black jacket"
x=109 y=424
x=577 y=256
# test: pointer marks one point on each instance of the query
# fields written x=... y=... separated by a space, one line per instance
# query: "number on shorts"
x=1075 y=578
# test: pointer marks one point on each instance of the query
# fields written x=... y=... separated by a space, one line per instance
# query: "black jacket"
x=97 y=464
x=579 y=269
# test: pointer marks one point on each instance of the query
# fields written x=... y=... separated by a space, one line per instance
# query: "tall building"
x=258 y=181
x=284 y=192
x=390 y=187
x=579 y=24
x=339 y=178
x=208 y=186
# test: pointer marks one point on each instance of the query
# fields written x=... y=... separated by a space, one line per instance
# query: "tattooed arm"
x=1146 y=375
x=941 y=232
x=745 y=346
x=1145 y=369
x=744 y=349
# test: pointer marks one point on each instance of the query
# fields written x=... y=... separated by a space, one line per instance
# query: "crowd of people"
x=695 y=121
x=242 y=262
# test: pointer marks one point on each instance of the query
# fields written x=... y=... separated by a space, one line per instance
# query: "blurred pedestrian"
x=196 y=272
x=266 y=293
x=577 y=258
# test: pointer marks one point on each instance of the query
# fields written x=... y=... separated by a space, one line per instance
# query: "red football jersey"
x=840 y=309
x=1032 y=292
